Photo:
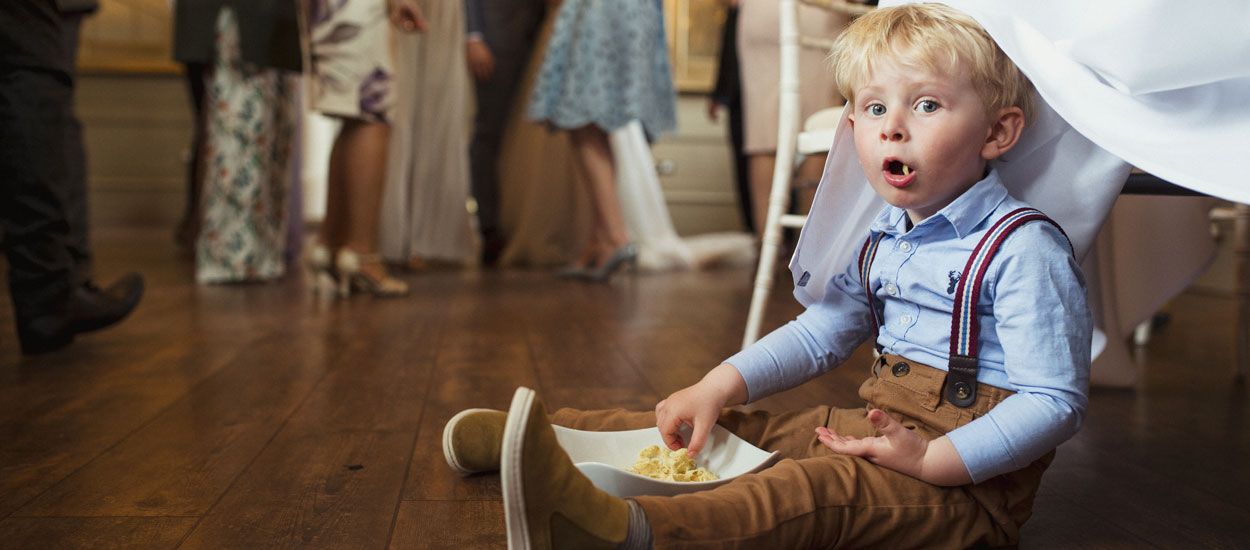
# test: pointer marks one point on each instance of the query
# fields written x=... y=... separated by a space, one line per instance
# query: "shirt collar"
x=964 y=213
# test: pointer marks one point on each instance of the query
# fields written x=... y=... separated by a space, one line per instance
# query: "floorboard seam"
x=123 y=438
x=416 y=435
x=311 y=391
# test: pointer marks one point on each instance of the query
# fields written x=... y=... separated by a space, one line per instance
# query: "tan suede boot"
x=548 y=503
x=472 y=439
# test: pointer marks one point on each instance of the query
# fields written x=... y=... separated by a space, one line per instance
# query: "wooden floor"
x=259 y=416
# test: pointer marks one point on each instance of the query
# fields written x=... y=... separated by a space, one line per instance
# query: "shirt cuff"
x=983 y=449
x=758 y=367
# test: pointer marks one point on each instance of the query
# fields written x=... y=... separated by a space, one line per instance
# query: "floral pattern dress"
x=350 y=58
x=251 y=121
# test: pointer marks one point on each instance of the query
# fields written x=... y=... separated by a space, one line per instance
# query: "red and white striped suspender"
x=866 y=255
x=960 y=388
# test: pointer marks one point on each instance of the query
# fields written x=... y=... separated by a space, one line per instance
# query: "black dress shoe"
x=87 y=308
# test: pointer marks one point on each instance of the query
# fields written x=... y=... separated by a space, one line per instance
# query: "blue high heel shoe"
x=627 y=254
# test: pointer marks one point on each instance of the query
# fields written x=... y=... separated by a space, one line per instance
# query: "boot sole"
x=448 y=430
x=510 y=469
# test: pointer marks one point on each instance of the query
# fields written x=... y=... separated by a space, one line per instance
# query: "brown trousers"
x=814 y=498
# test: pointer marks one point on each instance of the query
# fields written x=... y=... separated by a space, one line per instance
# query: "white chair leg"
x=1241 y=247
x=779 y=197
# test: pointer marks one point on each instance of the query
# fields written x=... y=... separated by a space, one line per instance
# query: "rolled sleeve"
x=815 y=342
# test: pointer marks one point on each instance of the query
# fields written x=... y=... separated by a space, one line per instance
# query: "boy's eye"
x=927 y=106
x=876 y=109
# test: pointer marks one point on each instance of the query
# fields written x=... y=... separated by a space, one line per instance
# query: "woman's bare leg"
x=594 y=154
x=332 y=226
x=591 y=235
x=363 y=172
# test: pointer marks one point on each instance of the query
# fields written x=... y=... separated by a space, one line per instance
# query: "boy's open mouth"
x=897 y=167
x=897 y=173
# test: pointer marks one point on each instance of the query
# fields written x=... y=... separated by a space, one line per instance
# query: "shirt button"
x=904 y=246
x=891 y=289
x=904 y=320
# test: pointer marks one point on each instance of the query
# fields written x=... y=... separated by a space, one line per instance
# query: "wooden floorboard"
x=250 y=416
x=102 y=533
x=450 y=525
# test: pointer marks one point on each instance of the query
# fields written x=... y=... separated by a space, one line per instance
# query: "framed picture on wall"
x=694 y=31
x=128 y=36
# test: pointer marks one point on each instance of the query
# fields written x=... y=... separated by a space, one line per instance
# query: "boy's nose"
x=893 y=132
x=893 y=129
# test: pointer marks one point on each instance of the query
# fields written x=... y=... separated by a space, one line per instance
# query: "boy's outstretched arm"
x=699 y=406
x=902 y=450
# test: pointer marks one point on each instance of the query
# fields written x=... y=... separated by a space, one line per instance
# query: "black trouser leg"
x=189 y=225
x=513 y=26
x=34 y=115
x=76 y=166
x=494 y=102
x=742 y=178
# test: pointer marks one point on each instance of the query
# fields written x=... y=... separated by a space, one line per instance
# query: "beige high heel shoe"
x=319 y=262
x=352 y=278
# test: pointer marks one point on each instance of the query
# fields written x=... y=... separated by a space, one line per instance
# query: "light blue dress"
x=606 y=64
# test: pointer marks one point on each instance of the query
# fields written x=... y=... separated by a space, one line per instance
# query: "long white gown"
x=424 y=213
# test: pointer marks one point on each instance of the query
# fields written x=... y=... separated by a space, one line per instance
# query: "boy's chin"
x=915 y=208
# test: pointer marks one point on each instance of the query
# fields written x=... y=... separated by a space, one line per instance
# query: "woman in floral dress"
x=250 y=122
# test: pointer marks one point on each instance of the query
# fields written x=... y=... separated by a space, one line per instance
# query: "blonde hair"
x=935 y=37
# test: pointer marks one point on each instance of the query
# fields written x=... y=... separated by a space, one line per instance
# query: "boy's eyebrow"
x=941 y=85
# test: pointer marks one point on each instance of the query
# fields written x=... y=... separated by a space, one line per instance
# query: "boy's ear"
x=1003 y=133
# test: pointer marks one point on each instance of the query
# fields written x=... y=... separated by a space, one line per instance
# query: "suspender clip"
x=961 y=381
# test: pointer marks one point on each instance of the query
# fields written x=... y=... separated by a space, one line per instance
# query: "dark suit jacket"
x=268 y=31
x=502 y=23
x=30 y=36
x=77 y=6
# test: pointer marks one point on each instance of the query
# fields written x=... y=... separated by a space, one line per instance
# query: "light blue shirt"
x=1035 y=325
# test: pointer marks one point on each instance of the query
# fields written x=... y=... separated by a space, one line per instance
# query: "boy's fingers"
x=854 y=447
x=884 y=423
x=699 y=437
x=842 y=444
x=668 y=430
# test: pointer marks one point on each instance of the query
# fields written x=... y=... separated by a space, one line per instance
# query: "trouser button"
x=901 y=369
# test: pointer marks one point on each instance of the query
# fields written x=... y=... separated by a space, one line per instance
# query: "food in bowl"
x=605 y=458
x=659 y=463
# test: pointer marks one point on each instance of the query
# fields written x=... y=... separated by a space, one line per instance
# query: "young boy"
x=973 y=299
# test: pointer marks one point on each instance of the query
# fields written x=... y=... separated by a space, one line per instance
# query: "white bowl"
x=604 y=457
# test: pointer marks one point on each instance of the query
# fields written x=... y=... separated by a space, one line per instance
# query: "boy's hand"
x=406 y=15
x=897 y=448
x=699 y=406
x=902 y=450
